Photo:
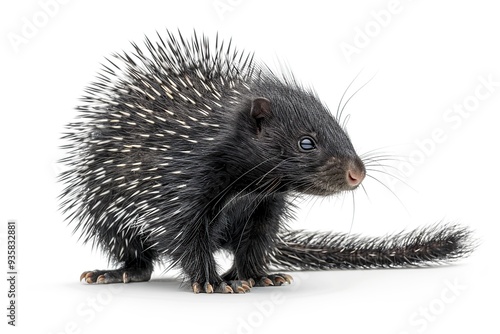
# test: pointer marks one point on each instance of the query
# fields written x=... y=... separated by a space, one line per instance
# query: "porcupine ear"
x=261 y=108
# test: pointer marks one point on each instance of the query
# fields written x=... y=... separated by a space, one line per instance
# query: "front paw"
x=234 y=286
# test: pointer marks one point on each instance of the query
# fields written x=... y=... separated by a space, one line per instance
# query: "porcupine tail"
x=423 y=247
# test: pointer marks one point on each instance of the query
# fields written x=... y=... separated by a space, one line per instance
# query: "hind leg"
x=130 y=272
x=137 y=264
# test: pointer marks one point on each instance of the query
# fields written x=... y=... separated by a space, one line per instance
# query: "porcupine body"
x=186 y=148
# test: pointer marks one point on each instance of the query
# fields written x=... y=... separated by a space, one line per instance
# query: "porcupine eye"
x=306 y=143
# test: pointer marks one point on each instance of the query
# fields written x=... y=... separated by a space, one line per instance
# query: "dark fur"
x=186 y=149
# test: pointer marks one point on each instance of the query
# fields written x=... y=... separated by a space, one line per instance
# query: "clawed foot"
x=273 y=280
x=115 y=276
x=223 y=287
x=242 y=286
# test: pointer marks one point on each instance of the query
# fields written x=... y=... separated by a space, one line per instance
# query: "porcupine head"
x=296 y=139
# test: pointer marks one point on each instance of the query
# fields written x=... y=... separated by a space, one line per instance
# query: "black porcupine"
x=188 y=148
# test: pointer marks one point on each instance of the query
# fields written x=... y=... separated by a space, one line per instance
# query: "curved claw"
x=264 y=281
x=287 y=278
x=88 y=276
x=227 y=287
x=240 y=286
x=246 y=286
x=223 y=288
x=251 y=282
x=84 y=275
x=196 y=287
x=208 y=288
x=278 y=280
x=121 y=275
x=272 y=280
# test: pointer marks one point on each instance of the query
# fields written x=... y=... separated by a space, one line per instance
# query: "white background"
x=428 y=57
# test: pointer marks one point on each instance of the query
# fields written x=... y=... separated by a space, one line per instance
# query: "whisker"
x=349 y=99
x=353 y=212
x=364 y=190
x=383 y=166
x=381 y=154
x=391 y=191
x=345 y=92
x=393 y=176
x=380 y=158
x=346 y=120
x=380 y=149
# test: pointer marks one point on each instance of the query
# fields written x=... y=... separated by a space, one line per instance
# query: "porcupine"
x=186 y=148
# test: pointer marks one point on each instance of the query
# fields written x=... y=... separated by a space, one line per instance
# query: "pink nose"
x=354 y=177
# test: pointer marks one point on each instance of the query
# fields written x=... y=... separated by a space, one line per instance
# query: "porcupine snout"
x=337 y=175
x=355 y=173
